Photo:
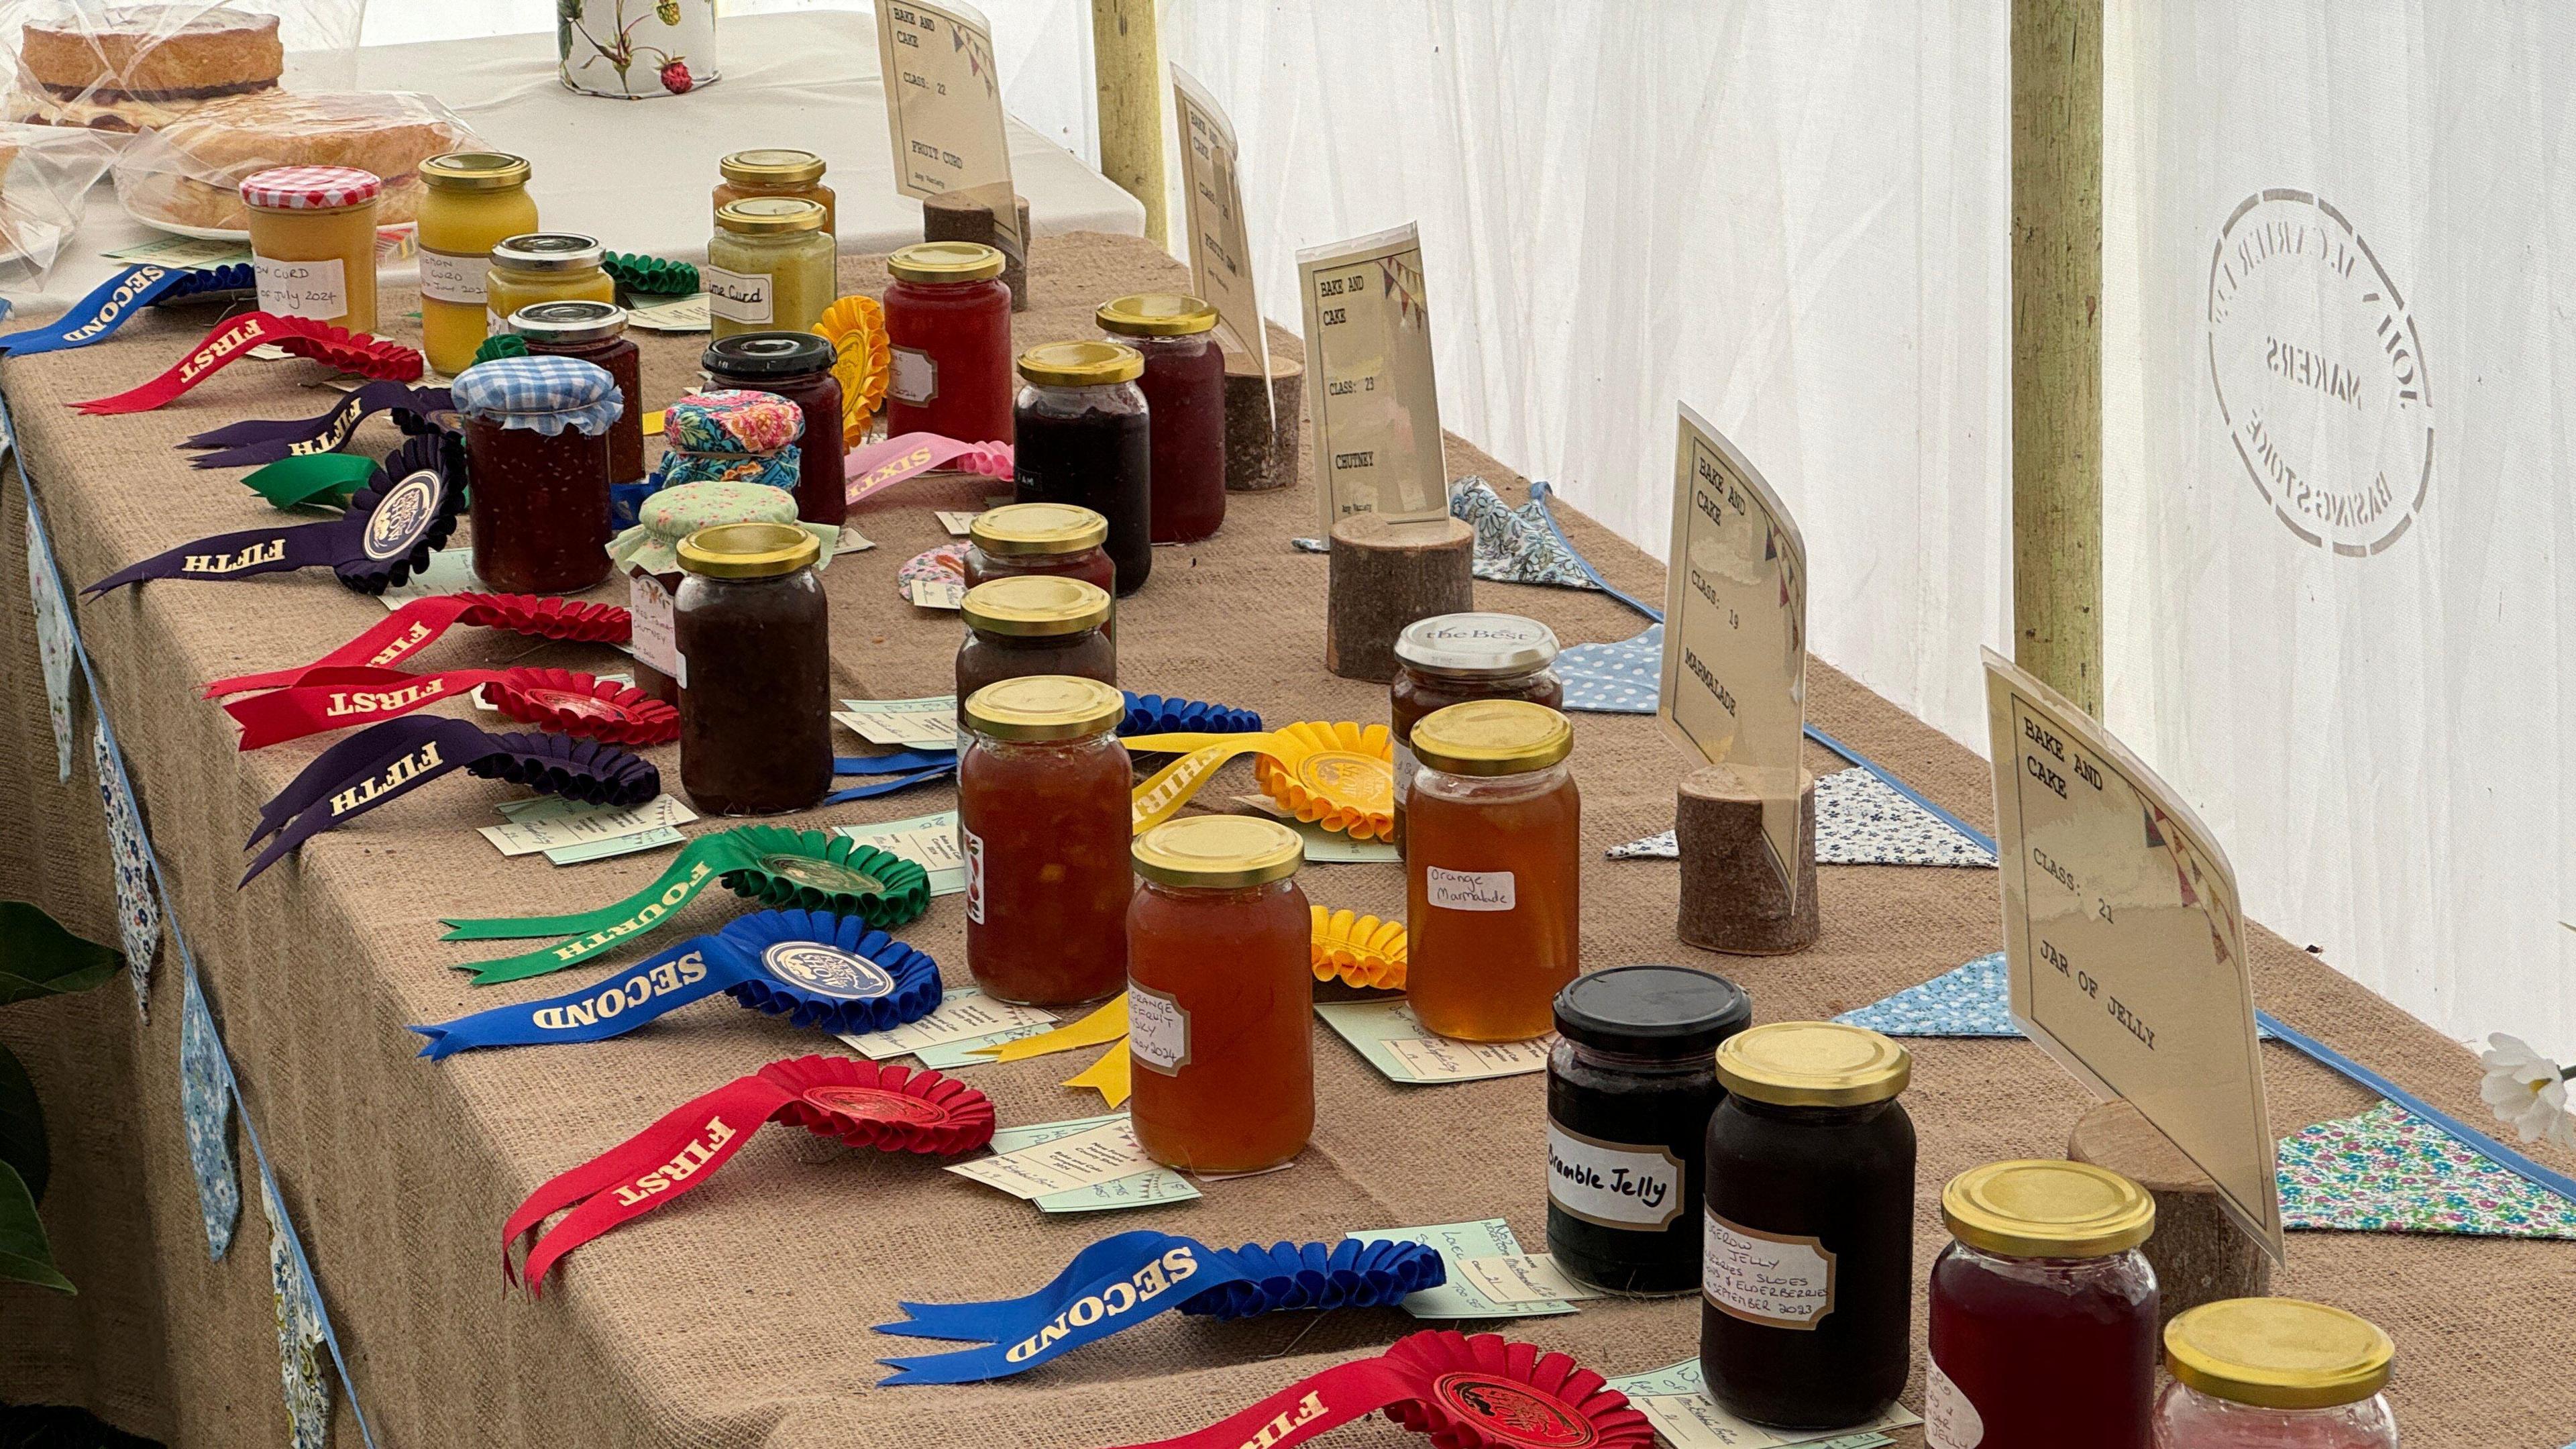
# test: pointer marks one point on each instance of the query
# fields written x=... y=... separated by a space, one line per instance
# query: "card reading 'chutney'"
x=1370 y=388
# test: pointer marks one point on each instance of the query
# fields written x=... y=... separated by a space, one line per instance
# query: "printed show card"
x=928 y=723
x=1085 y=1159
x=958 y=522
x=531 y=830
x=2124 y=942
x=929 y=841
x=944 y=113
x=1459 y=1297
x=677 y=314
x=1212 y=196
x=1675 y=1399
x=1396 y=1043
x=1143 y=1189
x=966 y=1018
x=938 y=593
x=449 y=571
x=1369 y=383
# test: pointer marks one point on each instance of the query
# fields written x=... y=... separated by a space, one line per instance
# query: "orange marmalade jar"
x=1493 y=870
x=1043 y=821
x=1220 y=998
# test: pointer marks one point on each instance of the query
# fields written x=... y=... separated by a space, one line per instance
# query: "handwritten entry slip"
x=1458 y=1243
x=1086 y=1159
x=1396 y=1043
x=944 y=114
x=1143 y=1189
x=1510 y=1278
x=927 y=723
x=1675 y=1400
x=551 y=823
x=1212 y=197
x=928 y=841
x=966 y=1019
x=1368 y=355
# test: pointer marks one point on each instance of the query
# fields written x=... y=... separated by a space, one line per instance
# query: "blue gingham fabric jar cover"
x=543 y=394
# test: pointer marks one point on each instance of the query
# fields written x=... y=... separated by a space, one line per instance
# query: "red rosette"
x=545 y=617
x=893 y=1109
x=235 y=336
x=1487 y=1392
x=372 y=357
x=569 y=702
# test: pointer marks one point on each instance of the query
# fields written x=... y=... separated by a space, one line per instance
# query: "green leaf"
x=25 y=1255
x=39 y=958
x=22 y=1126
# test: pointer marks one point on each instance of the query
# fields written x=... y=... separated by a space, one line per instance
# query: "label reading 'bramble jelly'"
x=1613 y=1184
x=1778 y=1279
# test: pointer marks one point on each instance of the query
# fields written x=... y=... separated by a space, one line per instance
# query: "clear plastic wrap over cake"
x=45 y=177
x=187 y=176
x=120 y=67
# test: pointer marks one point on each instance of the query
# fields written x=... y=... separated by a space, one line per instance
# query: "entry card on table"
x=1459 y=1297
x=1087 y=1159
x=929 y=841
x=2124 y=939
x=1144 y=1189
x=1212 y=197
x=944 y=108
x=550 y=823
x=1368 y=362
x=1395 y=1042
x=1675 y=1399
x=1734 y=686
x=966 y=1019
x=928 y=723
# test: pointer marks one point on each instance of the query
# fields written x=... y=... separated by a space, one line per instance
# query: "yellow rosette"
x=1360 y=950
x=855 y=326
x=1339 y=776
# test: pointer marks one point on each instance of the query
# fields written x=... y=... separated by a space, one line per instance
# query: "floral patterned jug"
x=635 y=49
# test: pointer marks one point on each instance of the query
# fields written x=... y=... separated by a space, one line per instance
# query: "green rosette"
x=312 y=479
x=501 y=344
x=650 y=276
x=813 y=870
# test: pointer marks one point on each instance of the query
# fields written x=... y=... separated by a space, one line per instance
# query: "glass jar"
x=1807 y=1274
x=770 y=267
x=2043 y=1311
x=1040 y=538
x=543 y=266
x=1493 y=881
x=1630 y=1084
x=948 y=330
x=1184 y=386
x=536 y=438
x=650 y=554
x=1453 y=658
x=475 y=201
x=1034 y=624
x=1220 y=995
x=755 y=670
x=2275 y=1373
x=798 y=367
x=595 y=332
x=777 y=171
x=1043 y=821
x=313 y=242
x=1084 y=439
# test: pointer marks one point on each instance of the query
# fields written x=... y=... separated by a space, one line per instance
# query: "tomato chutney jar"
x=1184 y=387
x=475 y=199
x=798 y=367
x=1454 y=658
x=1043 y=822
x=1084 y=439
x=536 y=445
x=948 y=333
x=595 y=332
x=313 y=242
x=1034 y=624
x=2275 y=1373
x=1494 y=876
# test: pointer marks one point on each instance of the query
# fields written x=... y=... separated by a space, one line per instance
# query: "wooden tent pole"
x=1127 y=71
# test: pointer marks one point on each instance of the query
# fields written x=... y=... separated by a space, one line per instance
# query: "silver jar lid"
x=549 y=251
x=1477 y=644
x=569 y=321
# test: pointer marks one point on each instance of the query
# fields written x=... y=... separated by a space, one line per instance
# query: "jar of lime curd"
x=770 y=266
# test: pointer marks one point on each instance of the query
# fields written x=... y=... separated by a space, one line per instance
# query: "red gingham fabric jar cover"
x=309 y=188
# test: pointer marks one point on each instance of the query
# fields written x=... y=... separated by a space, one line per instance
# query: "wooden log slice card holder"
x=2199 y=1254
x=1265 y=422
x=1384 y=576
x=961 y=216
x=1731 y=897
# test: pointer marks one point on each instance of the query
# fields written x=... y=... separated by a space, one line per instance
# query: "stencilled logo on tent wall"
x=2319 y=373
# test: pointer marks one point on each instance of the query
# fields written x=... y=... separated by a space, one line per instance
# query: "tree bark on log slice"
x=1731 y=897
x=1385 y=576
x=961 y=216
x=1265 y=422
x=2198 y=1254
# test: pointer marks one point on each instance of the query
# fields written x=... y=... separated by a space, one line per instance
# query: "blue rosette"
x=1347 y=1274
x=832 y=973
x=1152 y=714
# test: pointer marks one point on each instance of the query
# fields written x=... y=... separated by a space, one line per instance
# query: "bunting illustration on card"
x=206 y=1107
x=138 y=910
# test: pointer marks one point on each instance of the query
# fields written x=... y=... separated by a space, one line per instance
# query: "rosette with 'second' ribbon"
x=861 y=1104
x=1339 y=776
x=95 y=318
x=1121 y=1281
x=831 y=973
x=406 y=512
x=267 y=440
x=330 y=697
x=393 y=759
x=873 y=469
x=418 y=624
x=335 y=346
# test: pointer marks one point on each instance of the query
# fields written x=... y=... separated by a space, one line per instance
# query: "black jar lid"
x=768 y=354
x=1652 y=1011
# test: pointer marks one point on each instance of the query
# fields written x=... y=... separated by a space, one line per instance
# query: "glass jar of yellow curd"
x=476 y=200
x=313 y=242
x=777 y=171
x=770 y=266
x=543 y=266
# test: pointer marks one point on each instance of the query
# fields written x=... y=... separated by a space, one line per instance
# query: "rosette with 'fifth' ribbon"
x=1121 y=1281
x=254 y=441
x=831 y=973
x=863 y=1104
x=336 y=696
x=236 y=336
x=418 y=624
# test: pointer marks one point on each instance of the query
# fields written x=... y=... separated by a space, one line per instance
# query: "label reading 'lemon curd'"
x=448 y=277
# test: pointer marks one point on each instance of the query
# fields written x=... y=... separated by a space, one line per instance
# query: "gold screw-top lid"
x=1492 y=737
x=2047 y=1209
x=1027 y=530
x=2278 y=1353
x=749 y=550
x=1033 y=606
x=1812 y=1064
x=772 y=166
x=1045 y=707
x=1081 y=364
x=475 y=171
x=1216 y=851
x=948 y=261
x=1156 y=314
x=766 y=215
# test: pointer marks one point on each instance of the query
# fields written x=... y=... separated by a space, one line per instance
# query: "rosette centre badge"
x=827 y=972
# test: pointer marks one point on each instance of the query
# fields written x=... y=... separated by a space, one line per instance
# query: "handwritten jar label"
x=1949 y=1420
x=653 y=640
x=1468 y=890
x=1158 y=1030
x=1787 y=1282
x=1611 y=1183
x=736 y=296
x=914 y=376
x=451 y=277
x=973 y=845
x=319 y=290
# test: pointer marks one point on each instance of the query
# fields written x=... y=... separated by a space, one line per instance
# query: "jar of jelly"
x=755 y=670
x=1630 y=1085
x=948 y=330
x=770 y=267
x=1220 y=995
x=475 y=199
x=650 y=555
x=2275 y=1373
x=1807 y=1274
x=2043 y=1311
x=798 y=367
x=777 y=171
x=1494 y=878
x=1038 y=538
x=1084 y=439
x=1184 y=386
x=1453 y=658
x=595 y=332
x=1043 y=821
x=313 y=242
x=543 y=266
x=536 y=440
x=1034 y=624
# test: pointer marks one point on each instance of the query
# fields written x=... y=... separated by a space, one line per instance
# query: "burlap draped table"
x=740 y=1315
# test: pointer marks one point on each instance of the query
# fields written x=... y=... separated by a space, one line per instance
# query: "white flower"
x=2526 y=1091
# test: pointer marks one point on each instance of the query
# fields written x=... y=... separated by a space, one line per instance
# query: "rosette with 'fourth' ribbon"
x=330 y=697
x=418 y=624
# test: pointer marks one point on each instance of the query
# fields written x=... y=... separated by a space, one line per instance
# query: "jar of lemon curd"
x=476 y=200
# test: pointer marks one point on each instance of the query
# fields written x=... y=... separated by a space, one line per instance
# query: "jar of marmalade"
x=948 y=328
x=2275 y=1373
x=1453 y=658
x=1043 y=821
x=1034 y=624
x=1221 y=995
x=1062 y=539
x=777 y=171
x=1494 y=875
x=1184 y=386
x=755 y=670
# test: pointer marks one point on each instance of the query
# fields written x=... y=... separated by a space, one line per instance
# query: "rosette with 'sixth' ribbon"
x=879 y=466
x=336 y=696
x=418 y=624
x=831 y=973
x=236 y=336
x=863 y=1104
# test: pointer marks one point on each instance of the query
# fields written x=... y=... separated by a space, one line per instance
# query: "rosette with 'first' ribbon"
x=863 y=1104
x=96 y=317
x=418 y=624
x=1122 y=1281
x=330 y=697
x=236 y=336
x=831 y=973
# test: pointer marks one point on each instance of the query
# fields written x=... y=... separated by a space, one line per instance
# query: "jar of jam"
x=313 y=242
x=1630 y=1085
x=1221 y=995
x=536 y=440
x=1043 y=821
x=1807 y=1274
x=649 y=553
x=2043 y=1311
x=1084 y=439
x=1184 y=386
x=1494 y=878
x=770 y=266
x=1034 y=624
x=2275 y=1373
x=1453 y=658
x=798 y=367
x=777 y=171
x=475 y=200
x=755 y=670
x=543 y=266
x=595 y=332
x=1038 y=538
x=948 y=330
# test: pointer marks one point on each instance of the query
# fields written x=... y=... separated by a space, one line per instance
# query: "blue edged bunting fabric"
x=1513 y=545
x=1623 y=677
x=2390 y=1171
x=138 y=913
x=207 y=1106
x=1970 y=1000
x=1860 y=820
x=300 y=1355
x=53 y=642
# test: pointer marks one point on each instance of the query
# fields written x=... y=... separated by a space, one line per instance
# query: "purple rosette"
x=254 y=441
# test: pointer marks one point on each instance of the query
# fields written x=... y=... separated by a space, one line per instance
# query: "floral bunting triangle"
x=1860 y=820
x=2390 y=1171
x=138 y=913
x=300 y=1356
x=54 y=643
x=207 y=1106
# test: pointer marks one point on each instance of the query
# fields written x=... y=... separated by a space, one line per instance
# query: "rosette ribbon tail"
x=235 y=555
x=420 y=623
x=635 y=996
x=389 y=763
x=235 y=337
x=95 y=318
x=315 y=479
x=879 y=466
x=590 y=933
x=329 y=697
x=267 y=440
x=906 y=768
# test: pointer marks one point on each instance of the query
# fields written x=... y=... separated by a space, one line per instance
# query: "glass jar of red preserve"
x=1184 y=387
x=595 y=332
x=798 y=367
x=755 y=670
x=1043 y=821
x=948 y=328
x=1034 y=624
x=1085 y=438
x=536 y=439
x=2275 y=1373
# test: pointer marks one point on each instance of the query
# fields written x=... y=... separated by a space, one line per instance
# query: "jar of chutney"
x=1034 y=624
x=1044 y=821
x=536 y=437
x=755 y=670
x=1453 y=658
x=1083 y=438
x=2275 y=1373
x=649 y=554
x=1184 y=387
x=798 y=367
x=948 y=334
x=595 y=332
